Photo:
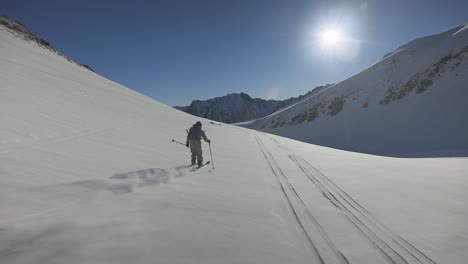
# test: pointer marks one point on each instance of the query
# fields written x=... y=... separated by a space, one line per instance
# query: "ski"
x=196 y=168
x=183 y=167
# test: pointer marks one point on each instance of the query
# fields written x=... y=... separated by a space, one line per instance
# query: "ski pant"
x=196 y=149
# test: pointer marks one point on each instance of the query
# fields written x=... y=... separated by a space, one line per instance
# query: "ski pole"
x=178 y=142
x=212 y=163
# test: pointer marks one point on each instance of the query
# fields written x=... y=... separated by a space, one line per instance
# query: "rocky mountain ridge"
x=240 y=107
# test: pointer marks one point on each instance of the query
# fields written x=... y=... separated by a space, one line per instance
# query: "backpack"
x=195 y=133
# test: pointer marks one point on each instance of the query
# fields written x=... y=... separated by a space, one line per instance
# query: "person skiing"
x=194 y=136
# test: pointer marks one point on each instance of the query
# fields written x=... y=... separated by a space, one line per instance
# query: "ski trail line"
x=391 y=245
x=386 y=251
x=299 y=209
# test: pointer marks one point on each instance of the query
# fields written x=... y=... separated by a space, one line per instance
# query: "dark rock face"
x=237 y=107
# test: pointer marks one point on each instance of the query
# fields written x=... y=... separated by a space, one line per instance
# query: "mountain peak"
x=232 y=108
x=236 y=107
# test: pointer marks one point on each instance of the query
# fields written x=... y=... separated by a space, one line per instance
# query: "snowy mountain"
x=410 y=103
x=89 y=174
x=235 y=108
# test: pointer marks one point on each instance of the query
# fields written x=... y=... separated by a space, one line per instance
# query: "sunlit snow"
x=89 y=174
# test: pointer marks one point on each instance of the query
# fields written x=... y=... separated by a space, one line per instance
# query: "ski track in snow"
x=397 y=249
x=291 y=214
x=389 y=245
x=308 y=223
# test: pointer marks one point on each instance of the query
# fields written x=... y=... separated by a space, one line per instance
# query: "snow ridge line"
x=276 y=169
x=120 y=90
x=382 y=237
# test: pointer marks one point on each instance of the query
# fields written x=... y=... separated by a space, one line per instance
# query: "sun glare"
x=330 y=37
x=333 y=40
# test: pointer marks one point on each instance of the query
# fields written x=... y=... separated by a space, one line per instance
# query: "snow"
x=423 y=123
x=89 y=174
x=461 y=30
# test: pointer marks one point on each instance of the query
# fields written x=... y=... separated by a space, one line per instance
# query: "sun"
x=332 y=40
x=330 y=37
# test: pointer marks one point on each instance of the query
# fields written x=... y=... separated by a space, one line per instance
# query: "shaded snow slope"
x=410 y=103
x=88 y=174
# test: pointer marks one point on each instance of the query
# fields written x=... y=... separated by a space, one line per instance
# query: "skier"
x=194 y=136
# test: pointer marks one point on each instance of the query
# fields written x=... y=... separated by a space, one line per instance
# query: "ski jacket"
x=195 y=133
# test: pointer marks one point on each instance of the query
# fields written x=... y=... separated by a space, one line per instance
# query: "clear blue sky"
x=177 y=51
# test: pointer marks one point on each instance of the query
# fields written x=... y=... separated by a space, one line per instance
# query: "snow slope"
x=410 y=103
x=88 y=174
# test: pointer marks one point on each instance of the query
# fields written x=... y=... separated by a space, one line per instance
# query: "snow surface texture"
x=410 y=103
x=89 y=174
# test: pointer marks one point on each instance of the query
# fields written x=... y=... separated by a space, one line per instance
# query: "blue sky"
x=178 y=51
